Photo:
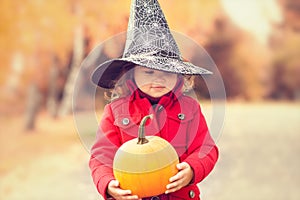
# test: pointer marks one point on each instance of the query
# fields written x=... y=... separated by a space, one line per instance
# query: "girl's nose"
x=160 y=77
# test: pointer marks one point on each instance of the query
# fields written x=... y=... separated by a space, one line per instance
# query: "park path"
x=259 y=159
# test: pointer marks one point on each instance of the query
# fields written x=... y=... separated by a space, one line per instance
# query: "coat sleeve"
x=202 y=151
x=103 y=151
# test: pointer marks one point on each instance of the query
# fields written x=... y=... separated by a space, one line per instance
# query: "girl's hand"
x=117 y=193
x=181 y=179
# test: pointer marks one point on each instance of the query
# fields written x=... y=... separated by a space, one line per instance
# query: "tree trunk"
x=32 y=107
x=78 y=53
x=52 y=99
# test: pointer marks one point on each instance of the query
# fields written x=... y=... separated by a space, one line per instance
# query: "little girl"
x=144 y=91
x=150 y=79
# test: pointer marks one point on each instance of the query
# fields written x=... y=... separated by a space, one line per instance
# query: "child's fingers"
x=176 y=177
x=180 y=174
x=181 y=179
x=183 y=165
x=172 y=187
x=124 y=192
x=114 y=183
x=176 y=182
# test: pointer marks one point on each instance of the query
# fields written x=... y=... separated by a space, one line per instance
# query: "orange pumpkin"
x=145 y=164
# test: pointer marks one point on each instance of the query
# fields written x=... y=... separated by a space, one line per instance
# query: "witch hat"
x=149 y=43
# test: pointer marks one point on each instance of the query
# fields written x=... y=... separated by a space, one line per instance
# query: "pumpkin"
x=145 y=164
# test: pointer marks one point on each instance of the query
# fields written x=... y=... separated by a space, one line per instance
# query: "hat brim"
x=108 y=72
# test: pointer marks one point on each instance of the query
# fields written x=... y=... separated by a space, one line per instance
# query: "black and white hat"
x=149 y=43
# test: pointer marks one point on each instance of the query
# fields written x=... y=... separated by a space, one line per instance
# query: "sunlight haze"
x=255 y=16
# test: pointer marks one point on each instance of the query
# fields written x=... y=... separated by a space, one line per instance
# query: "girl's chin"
x=157 y=95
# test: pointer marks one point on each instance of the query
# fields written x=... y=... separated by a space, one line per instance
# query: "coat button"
x=192 y=194
x=160 y=108
x=125 y=121
x=181 y=116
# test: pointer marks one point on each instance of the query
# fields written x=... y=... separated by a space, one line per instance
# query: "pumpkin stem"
x=142 y=139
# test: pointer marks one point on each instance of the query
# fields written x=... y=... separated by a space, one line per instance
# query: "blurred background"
x=254 y=43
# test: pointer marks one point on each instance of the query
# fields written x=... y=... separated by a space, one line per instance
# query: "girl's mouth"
x=158 y=87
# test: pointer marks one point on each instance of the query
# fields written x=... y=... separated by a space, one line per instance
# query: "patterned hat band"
x=153 y=54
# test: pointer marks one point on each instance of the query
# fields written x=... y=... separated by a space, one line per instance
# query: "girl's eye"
x=149 y=72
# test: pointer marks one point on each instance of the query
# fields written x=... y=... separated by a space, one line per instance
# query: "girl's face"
x=155 y=83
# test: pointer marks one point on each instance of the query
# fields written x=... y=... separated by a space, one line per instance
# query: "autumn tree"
x=285 y=44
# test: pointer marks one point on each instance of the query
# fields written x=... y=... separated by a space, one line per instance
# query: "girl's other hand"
x=181 y=179
x=117 y=193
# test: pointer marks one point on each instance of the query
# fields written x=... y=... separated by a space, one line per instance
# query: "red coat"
x=177 y=118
